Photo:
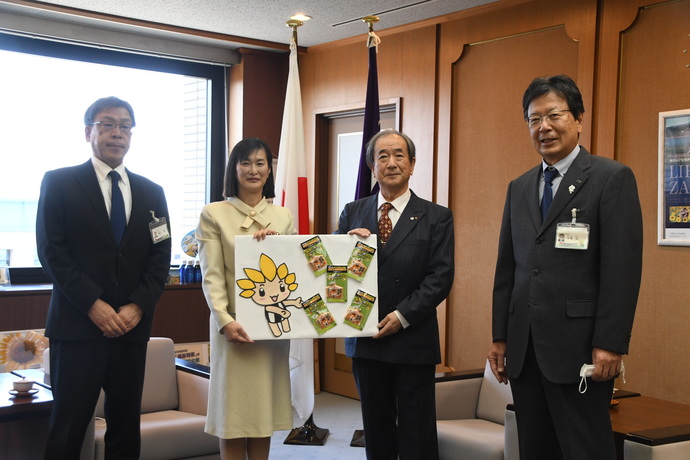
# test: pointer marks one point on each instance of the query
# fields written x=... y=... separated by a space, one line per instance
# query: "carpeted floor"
x=341 y=416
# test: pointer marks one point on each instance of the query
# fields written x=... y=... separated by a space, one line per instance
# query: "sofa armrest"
x=510 y=435
x=192 y=386
x=457 y=394
x=670 y=443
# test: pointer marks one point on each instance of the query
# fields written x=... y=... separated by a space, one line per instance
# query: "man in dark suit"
x=394 y=369
x=106 y=283
x=566 y=285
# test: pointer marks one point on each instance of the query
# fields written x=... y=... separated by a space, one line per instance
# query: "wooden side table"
x=23 y=420
x=642 y=413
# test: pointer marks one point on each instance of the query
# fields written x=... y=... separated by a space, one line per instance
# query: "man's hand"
x=107 y=319
x=234 y=333
x=388 y=326
x=131 y=314
x=497 y=355
x=607 y=364
x=361 y=232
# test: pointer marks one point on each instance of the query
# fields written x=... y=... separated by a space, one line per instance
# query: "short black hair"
x=411 y=149
x=241 y=152
x=107 y=103
x=562 y=85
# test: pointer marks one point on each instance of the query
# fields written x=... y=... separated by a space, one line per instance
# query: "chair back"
x=160 y=382
x=493 y=398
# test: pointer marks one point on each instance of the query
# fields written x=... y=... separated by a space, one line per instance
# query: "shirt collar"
x=562 y=165
x=399 y=203
x=102 y=170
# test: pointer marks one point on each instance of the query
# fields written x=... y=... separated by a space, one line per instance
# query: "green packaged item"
x=358 y=312
x=316 y=255
x=336 y=283
x=360 y=259
x=319 y=315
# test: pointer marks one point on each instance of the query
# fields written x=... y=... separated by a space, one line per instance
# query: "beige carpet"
x=341 y=416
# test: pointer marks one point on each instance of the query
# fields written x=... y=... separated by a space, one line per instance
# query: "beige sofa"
x=472 y=418
x=173 y=411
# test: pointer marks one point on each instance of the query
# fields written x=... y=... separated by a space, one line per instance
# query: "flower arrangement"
x=22 y=350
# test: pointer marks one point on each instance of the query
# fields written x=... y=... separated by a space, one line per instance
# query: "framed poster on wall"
x=674 y=178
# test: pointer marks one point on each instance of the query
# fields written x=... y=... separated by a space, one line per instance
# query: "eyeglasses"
x=105 y=126
x=552 y=117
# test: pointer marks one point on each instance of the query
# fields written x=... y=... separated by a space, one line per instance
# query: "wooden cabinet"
x=181 y=313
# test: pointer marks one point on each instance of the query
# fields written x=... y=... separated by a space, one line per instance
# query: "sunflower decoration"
x=22 y=350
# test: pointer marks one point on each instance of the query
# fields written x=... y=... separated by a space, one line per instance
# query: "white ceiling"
x=265 y=19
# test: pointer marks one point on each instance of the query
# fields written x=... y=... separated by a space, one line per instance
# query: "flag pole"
x=372 y=114
x=308 y=434
x=372 y=125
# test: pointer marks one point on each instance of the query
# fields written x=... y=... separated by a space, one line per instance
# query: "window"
x=45 y=87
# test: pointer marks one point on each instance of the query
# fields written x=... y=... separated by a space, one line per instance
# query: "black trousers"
x=558 y=422
x=398 y=409
x=78 y=371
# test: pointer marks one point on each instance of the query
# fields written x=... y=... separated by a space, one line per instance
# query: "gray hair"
x=411 y=150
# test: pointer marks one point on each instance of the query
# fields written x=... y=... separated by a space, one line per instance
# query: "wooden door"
x=344 y=144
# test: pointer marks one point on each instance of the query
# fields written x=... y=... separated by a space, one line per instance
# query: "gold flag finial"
x=370 y=20
x=294 y=24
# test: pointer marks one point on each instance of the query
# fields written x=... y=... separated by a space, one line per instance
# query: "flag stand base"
x=308 y=434
x=357 y=439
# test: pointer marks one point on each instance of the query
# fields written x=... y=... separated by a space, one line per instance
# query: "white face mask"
x=586 y=371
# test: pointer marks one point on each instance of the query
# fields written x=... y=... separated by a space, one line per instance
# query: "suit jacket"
x=570 y=300
x=79 y=255
x=415 y=274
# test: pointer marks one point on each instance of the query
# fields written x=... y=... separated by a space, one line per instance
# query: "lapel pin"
x=414 y=218
x=571 y=189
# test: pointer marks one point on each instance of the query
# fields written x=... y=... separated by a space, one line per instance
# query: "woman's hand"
x=264 y=232
x=234 y=333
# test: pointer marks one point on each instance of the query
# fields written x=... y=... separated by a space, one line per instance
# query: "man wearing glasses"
x=566 y=284
x=103 y=241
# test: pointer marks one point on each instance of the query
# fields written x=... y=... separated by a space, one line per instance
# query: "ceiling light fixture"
x=301 y=17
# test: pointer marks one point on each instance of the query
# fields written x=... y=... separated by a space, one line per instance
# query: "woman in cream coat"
x=249 y=394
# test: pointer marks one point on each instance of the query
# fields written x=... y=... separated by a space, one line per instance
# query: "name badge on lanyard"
x=158 y=228
x=572 y=235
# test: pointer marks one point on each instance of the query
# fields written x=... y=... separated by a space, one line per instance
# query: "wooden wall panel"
x=490 y=146
x=485 y=64
x=257 y=96
x=655 y=77
x=506 y=19
x=335 y=76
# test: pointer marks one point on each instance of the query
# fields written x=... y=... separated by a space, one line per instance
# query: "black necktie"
x=550 y=174
x=118 y=220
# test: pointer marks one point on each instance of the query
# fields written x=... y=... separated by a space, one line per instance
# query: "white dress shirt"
x=105 y=182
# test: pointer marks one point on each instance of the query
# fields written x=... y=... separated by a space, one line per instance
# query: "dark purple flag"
x=371 y=127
